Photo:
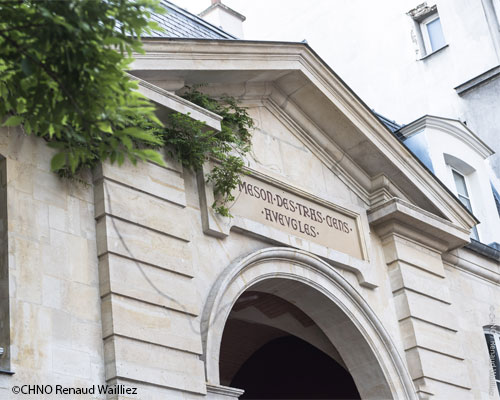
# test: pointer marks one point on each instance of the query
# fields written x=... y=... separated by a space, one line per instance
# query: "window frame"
x=474 y=232
x=422 y=15
x=496 y=11
x=424 y=30
x=494 y=331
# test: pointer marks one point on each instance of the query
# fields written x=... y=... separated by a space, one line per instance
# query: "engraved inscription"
x=299 y=216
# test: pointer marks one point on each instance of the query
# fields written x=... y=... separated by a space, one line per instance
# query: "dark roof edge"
x=484 y=249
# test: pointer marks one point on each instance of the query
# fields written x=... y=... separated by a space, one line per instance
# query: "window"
x=429 y=35
x=492 y=12
x=463 y=196
x=432 y=33
x=496 y=11
x=492 y=334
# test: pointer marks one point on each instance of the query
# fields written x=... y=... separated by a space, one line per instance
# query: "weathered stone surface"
x=144 y=245
x=149 y=323
x=124 y=298
x=403 y=275
x=137 y=207
x=413 y=254
x=150 y=284
x=166 y=183
x=156 y=365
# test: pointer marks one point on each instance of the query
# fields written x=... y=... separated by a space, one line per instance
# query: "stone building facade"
x=383 y=51
x=339 y=237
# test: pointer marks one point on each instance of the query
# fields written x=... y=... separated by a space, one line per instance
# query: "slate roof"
x=390 y=124
x=179 y=23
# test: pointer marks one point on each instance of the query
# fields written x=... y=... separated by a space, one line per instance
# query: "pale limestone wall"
x=477 y=303
x=135 y=240
x=157 y=272
x=53 y=289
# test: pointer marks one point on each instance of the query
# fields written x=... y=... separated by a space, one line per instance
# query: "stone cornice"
x=178 y=104
x=225 y=391
x=463 y=259
x=452 y=127
x=399 y=217
x=245 y=57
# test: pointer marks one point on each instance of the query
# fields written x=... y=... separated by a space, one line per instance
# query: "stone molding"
x=304 y=267
x=176 y=103
x=414 y=242
x=225 y=391
x=242 y=57
x=220 y=227
x=369 y=189
x=457 y=259
x=452 y=127
x=481 y=79
x=397 y=216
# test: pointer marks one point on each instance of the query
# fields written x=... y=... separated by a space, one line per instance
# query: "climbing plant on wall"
x=62 y=78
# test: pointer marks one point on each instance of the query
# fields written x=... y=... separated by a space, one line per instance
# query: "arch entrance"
x=290 y=312
x=273 y=350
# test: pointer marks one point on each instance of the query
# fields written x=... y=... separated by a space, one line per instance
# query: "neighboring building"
x=346 y=272
x=405 y=58
x=418 y=81
x=457 y=157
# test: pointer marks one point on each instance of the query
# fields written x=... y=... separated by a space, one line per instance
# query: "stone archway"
x=322 y=294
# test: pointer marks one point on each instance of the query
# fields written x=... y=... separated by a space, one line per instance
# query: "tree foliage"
x=62 y=78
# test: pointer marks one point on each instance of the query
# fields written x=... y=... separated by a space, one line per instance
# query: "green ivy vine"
x=192 y=143
x=63 y=78
x=194 y=146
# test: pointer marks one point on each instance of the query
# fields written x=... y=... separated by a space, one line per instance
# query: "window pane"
x=460 y=184
x=436 y=36
x=473 y=234
x=496 y=7
x=465 y=201
x=493 y=353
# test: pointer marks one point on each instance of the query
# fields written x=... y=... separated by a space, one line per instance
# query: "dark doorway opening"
x=290 y=368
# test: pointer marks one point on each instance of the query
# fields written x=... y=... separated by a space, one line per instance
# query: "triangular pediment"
x=310 y=121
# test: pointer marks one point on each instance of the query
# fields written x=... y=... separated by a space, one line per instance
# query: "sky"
x=320 y=23
x=293 y=21
x=265 y=19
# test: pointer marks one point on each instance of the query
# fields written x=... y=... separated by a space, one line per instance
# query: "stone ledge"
x=398 y=216
x=478 y=80
x=225 y=391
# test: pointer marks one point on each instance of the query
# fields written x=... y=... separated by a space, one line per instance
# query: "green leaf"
x=73 y=162
x=120 y=158
x=58 y=161
x=141 y=134
x=152 y=155
x=105 y=127
x=13 y=121
x=127 y=142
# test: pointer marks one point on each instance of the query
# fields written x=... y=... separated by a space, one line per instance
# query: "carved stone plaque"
x=269 y=205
